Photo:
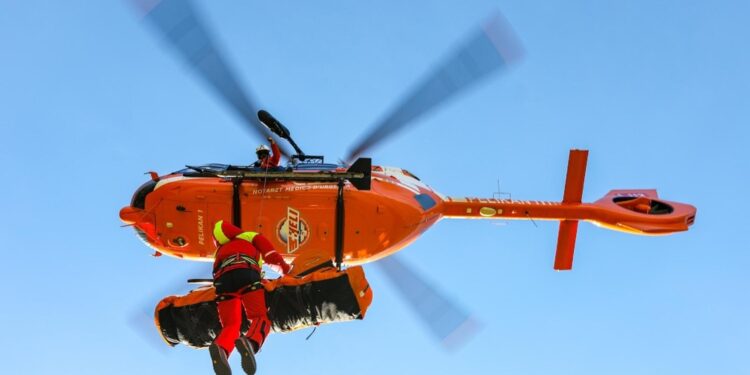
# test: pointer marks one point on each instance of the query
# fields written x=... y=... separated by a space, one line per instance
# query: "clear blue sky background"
x=658 y=91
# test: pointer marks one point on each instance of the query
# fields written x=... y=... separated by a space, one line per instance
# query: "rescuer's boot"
x=247 y=352
x=219 y=360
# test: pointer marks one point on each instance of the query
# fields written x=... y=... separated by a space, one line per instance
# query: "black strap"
x=235 y=259
x=254 y=286
x=327 y=264
x=225 y=297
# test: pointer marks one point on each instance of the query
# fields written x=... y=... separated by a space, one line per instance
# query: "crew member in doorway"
x=266 y=158
x=237 y=278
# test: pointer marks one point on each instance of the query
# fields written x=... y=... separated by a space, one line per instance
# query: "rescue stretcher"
x=322 y=297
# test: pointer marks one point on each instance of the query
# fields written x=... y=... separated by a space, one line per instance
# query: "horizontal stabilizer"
x=566 y=244
x=566 y=237
x=576 y=174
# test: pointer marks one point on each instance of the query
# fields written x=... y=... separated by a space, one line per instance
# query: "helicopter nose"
x=139 y=219
x=136 y=215
x=131 y=215
x=143 y=224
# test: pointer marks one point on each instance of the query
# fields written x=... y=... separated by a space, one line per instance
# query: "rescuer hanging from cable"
x=237 y=278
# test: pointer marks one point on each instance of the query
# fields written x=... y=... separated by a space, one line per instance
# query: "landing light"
x=487 y=211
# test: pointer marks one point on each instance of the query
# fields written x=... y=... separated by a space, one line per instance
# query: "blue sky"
x=657 y=91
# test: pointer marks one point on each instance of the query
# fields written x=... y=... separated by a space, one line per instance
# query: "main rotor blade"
x=180 y=25
x=445 y=320
x=489 y=49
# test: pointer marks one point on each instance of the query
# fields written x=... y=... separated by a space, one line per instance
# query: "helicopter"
x=321 y=212
x=345 y=214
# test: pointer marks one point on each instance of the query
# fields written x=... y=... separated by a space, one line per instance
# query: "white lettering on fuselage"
x=289 y=189
x=502 y=201
x=201 y=236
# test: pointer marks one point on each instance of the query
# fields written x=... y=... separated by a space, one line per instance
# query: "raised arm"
x=275 y=153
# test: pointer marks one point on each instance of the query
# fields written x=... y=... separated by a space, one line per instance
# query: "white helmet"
x=262 y=148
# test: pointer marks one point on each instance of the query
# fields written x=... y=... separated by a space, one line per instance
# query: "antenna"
x=500 y=194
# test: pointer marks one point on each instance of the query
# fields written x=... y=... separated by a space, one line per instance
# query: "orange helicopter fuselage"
x=175 y=214
x=298 y=217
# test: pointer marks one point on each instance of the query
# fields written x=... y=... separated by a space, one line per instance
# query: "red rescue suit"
x=271 y=161
x=237 y=279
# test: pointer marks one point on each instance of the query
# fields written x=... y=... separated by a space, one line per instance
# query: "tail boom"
x=606 y=212
x=637 y=211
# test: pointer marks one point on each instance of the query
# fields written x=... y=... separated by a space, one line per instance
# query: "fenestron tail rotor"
x=179 y=23
x=490 y=49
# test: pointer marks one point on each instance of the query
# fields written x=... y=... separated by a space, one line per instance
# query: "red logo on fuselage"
x=293 y=230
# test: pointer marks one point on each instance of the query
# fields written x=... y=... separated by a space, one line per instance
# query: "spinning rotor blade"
x=445 y=320
x=488 y=50
x=179 y=23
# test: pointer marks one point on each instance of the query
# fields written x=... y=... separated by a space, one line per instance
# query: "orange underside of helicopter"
x=300 y=217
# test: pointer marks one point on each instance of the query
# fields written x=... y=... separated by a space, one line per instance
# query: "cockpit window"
x=139 y=198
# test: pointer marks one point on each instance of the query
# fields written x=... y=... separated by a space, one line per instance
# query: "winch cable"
x=260 y=210
x=262 y=198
